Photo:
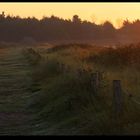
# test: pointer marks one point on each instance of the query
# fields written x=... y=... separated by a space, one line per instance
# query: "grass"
x=66 y=101
x=60 y=99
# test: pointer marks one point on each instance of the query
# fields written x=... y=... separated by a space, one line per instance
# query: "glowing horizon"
x=93 y=12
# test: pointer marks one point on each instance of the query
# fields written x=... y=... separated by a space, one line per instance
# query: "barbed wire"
x=131 y=97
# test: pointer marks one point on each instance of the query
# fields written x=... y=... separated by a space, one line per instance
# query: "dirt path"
x=14 y=85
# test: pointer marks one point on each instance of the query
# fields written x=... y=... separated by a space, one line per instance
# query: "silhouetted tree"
x=76 y=19
x=51 y=29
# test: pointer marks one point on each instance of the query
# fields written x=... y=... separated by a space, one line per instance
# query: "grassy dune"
x=64 y=102
x=47 y=91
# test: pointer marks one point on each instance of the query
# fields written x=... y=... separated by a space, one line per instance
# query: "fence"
x=117 y=91
x=95 y=84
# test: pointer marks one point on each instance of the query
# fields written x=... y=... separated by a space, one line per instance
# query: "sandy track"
x=14 y=84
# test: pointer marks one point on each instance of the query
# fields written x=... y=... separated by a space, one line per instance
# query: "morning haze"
x=69 y=69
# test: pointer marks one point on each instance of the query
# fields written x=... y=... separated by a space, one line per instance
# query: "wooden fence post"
x=100 y=76
x=95 y=82
x=67 y=69
x=117 y=94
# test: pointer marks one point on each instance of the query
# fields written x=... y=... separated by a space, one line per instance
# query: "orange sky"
x=98 y=12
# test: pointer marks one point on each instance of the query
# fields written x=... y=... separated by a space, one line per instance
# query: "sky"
x=94 y=12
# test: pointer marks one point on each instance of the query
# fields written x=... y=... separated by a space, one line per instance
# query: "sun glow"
x=94 y=12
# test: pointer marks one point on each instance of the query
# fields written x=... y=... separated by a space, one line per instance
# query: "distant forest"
x=51 y=29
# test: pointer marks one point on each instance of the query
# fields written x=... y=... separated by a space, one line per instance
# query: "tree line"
x=49 y=29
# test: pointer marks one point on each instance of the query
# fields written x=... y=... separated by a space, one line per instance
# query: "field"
x=49 y=91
